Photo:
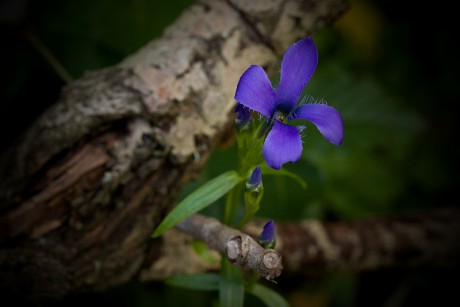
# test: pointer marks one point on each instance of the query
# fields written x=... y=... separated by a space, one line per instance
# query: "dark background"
x=389 y=67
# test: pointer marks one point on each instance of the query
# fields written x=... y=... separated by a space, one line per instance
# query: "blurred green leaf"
x=199 y=199
x=87 y=35
x=363 y=175
x=341 y=288
x=202 y=250
x=231 y=290
x=268 y=296
x=195 y=282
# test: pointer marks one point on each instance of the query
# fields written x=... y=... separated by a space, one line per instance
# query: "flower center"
x=281 y=117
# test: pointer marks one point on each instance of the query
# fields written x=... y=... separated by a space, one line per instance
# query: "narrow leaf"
x=282 y=172
x=199 y=199
x=203 y=251
x=231 y=289
x=195 y=282
x=268 y=296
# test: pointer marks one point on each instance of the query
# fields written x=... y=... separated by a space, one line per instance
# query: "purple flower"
x=283 y=143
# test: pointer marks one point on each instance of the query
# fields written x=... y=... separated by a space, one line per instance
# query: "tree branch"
x=419 y=239
x=241 y=249
x=427 y=239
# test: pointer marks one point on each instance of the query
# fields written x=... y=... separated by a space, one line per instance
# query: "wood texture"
x=419 y=239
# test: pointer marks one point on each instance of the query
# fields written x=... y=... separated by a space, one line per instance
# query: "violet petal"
x=255 y=91
x=326 y=119
x=299 y=63
x=283 y=144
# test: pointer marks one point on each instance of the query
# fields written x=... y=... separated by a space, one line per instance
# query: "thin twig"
x=50 y=58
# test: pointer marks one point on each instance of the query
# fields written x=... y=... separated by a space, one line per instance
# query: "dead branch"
x=310 y=247
x=241 y=250
x=423 y=239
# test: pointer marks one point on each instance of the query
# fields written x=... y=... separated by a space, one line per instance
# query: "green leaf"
x=231 y=289
x=266 y=170
x=199 y=199
x=268 y=296
x=202 y=250
x=195 y=282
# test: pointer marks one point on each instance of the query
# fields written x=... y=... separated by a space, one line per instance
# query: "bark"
x=84 y=187
x=419 y=239
x=240 y=249
x=412 y=240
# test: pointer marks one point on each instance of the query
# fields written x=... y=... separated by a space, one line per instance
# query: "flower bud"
x=255 y=180
x=253 y=193
x=243 y=115
x=254 y=190
x=267 y=237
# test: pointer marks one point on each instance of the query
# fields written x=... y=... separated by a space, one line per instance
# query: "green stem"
x=231 y=288
x=231 y=204
x=253 y=279
x=247 y=217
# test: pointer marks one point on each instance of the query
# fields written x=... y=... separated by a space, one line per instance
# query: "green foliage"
x=268 y=296
x=195 y=282
x=203 y=251
x=202 y=197
x=363 y=175
x=87 y=35
x=231 y=289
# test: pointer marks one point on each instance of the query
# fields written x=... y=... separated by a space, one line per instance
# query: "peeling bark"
x=84 y=187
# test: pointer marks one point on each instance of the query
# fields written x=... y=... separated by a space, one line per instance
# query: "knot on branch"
x=245 y=252
x=271 y=265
